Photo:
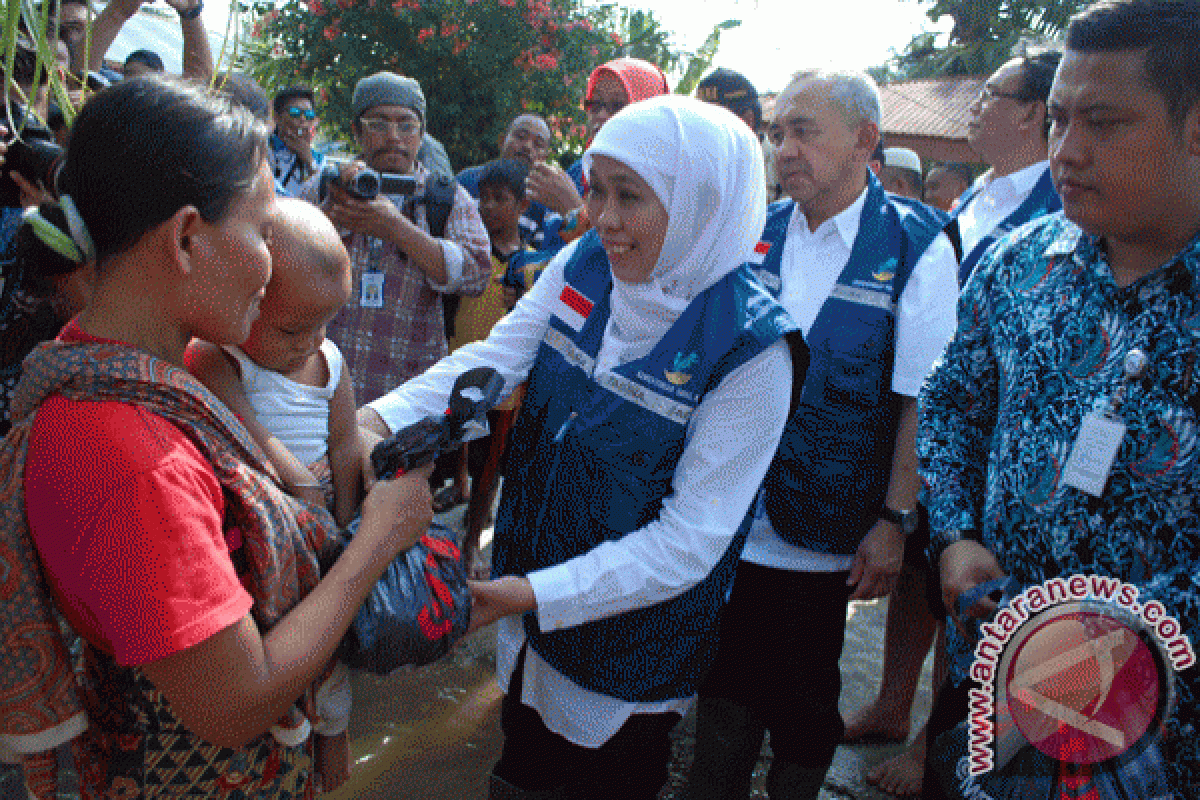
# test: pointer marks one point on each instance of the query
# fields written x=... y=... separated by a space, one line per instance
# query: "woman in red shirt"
x=162 y=535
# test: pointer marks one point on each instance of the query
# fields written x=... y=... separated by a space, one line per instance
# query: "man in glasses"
x=407 y=251
x=292 y=157
x=1008 y=130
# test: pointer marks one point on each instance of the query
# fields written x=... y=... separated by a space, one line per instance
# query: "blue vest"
x=592 y=457
x=1042 y=199
x=829 y=479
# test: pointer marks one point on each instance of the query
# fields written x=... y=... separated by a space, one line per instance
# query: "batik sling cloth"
x=42 y=700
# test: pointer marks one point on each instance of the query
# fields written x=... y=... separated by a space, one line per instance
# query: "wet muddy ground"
x=434 y=733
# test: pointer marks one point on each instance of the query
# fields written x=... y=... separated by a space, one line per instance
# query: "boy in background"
x=502 y=201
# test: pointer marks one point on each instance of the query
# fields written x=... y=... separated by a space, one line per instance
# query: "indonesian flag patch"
x=760 y=252
x=573 y=308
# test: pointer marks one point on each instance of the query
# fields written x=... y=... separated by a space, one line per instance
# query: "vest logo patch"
x=573 y=308
x=760 y=252
x=678 y=374
x=886 y=271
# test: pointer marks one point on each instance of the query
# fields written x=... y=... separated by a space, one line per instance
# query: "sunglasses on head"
x=301 y=113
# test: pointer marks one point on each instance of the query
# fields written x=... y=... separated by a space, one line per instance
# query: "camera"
x=366 y=184
x=35 y=155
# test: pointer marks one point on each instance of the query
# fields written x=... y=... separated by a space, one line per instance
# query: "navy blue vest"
x=829 y=479
x=592 y=457
x=1042 y=199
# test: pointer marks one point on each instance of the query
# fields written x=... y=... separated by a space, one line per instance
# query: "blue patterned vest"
x=592 y=457
x=829 y=479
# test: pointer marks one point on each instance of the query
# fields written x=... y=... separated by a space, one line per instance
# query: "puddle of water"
x=432 y=733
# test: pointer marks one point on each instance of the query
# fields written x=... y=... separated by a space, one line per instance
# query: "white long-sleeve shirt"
x=730 y=440
x=925 y=318
x=999 y=198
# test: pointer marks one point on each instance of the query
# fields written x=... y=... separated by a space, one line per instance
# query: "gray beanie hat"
x=388 y=89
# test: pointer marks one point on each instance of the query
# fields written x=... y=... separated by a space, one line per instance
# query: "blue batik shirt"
x=1042 y=340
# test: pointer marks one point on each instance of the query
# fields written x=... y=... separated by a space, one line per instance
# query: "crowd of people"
x=754 y=369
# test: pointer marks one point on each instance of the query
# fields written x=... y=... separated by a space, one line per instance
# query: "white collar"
x=845 y=222
x=1023 y=180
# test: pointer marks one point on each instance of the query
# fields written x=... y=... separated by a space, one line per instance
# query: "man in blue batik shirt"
x=1077 y=324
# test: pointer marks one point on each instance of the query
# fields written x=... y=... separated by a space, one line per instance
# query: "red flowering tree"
x=480 y=62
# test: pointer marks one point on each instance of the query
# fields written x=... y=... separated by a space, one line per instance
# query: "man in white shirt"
x=870 y=279
x=1008 y=130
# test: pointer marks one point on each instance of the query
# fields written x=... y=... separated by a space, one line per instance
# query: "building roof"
x=936 y=107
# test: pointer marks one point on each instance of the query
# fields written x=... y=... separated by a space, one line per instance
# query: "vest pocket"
x=626 y=481
x=854 y=381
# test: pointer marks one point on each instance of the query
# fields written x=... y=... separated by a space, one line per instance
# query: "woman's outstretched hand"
x=399 y=509
x=491 y=600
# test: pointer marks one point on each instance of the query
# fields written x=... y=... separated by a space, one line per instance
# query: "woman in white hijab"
x=659 y=385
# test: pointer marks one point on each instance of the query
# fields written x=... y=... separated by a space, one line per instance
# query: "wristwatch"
x=906 y=520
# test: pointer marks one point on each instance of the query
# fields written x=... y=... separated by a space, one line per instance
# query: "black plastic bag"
x=416 y=611
x=421 y=605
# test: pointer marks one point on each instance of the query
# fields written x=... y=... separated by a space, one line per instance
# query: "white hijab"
x=705 y=167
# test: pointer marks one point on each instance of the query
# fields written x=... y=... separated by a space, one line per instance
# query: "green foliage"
x=479 y=62
x=985 y=35
x=702 y=59
x=33 y=26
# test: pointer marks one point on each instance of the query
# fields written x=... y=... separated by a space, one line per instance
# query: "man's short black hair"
x=732 y=90
x=1169 y=32
x=1037 y=73
x=505 y=173
x=148 y=57
x=1038 y=65
x=290 y=93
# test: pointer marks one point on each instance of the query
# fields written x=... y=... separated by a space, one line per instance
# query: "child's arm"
x=214 y=369
x=345 y=451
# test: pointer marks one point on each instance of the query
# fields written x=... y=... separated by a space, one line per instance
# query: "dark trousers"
x=632 y=765
x=781 y=638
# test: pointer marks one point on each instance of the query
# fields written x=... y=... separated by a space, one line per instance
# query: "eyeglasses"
x=987 y=94
x=595 y=107
x=301 y=113
x=380 y=125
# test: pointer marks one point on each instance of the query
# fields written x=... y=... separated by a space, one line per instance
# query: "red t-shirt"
x=127 y=517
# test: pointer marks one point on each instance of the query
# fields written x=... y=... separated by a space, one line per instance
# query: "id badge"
x=372 y=290
x=1093 y=453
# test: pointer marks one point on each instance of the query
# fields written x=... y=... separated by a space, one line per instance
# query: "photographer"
x=406 y=251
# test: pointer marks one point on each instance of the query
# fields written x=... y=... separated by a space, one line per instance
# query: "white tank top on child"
x=296 y=414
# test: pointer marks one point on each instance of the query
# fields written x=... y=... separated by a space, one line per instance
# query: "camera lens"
x=366 y=184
